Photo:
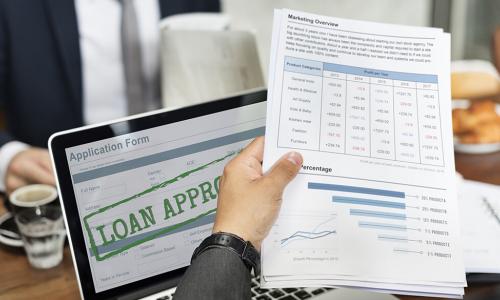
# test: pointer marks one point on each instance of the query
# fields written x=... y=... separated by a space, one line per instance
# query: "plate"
x=473 y=148
x=7 y=230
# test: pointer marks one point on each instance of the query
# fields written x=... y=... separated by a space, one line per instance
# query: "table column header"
x=303 y=66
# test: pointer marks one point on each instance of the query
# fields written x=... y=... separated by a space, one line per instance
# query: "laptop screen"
x=146 y=199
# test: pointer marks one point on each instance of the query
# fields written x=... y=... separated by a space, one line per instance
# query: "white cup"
x=32 y=195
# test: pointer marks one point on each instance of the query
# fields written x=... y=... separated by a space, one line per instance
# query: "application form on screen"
x=147 y=199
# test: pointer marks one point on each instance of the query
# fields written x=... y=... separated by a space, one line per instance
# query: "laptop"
x=139 y=195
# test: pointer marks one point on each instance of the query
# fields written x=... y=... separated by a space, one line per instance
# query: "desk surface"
x=19 y=281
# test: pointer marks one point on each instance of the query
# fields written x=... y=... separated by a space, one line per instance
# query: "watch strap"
x=244 y=249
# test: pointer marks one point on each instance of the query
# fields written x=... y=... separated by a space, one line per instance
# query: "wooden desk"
x=19 y=281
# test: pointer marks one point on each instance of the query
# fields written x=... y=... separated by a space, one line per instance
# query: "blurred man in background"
x=67 y=63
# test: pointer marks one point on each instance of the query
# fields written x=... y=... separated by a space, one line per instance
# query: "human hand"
x=249 y=201
x=27 y=167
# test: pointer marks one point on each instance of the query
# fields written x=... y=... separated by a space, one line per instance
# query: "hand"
x=29 y=166
x=249 y=201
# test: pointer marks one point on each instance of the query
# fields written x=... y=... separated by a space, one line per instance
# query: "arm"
x=248 y=204
x=19 y=163
x=215 y=274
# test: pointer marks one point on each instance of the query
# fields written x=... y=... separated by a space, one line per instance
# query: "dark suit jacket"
x=217 y=274
x=40 y=65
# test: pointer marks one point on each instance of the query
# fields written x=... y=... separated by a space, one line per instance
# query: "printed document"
x=480 y=226
x=375 y=203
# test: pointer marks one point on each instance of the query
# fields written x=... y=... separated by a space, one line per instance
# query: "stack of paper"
x=374 y=206
x=480 y=226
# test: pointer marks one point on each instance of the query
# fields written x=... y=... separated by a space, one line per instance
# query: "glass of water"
x=43 y=234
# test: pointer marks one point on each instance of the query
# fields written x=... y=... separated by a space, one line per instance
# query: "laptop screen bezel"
x=60 y=141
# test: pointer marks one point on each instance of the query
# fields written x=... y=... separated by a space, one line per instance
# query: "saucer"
x=8 y=231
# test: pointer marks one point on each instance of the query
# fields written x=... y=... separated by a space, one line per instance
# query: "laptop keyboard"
x=284 y=293
x=271 y=294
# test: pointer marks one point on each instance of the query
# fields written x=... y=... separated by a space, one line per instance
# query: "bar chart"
x=393 y=221
x=387 y=213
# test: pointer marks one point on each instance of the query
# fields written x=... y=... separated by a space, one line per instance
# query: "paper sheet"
x=480 y=226
x=368 y=107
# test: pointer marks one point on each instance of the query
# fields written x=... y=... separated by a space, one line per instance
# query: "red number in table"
x=359 y=148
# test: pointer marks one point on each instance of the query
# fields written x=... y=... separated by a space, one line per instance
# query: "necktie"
x=141 y=95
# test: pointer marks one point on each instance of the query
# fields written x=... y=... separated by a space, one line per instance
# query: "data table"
x=360 y=111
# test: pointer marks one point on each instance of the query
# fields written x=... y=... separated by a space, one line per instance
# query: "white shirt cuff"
x=7 y=152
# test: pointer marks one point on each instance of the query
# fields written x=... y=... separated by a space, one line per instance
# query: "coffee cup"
x=33 y=195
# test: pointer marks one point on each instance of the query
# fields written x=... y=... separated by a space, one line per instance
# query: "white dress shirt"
x=104 y=94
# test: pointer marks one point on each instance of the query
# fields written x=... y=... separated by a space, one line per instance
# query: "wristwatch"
x=223 y=240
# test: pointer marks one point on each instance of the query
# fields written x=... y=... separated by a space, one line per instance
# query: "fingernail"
x=295 y=158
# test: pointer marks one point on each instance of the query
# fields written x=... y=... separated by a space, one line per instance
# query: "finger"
x=32 y=172
x=13 y=182
x=255 y=149
x=45 y=161
x=284 y=170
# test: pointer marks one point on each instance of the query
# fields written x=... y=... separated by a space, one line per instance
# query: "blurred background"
x=471 y=22
x=473 y=26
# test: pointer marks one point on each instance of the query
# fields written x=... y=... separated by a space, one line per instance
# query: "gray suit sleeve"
x=216 y=274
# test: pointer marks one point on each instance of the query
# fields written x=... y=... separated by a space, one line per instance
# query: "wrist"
x=243 y=234
x=243 y=249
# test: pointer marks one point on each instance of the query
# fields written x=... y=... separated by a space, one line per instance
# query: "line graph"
x=321 y=230
x=308 y=235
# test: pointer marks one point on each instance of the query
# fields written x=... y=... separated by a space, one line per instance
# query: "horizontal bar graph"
x=383 y=226
x=377 y=214
x=397 y=238
x=379 y=211
x=361 y=201
x=393 y=238
x=403 y=250
x=354 y=189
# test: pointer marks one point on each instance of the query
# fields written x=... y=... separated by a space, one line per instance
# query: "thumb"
x=284 y=170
